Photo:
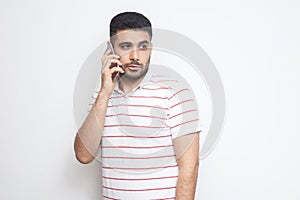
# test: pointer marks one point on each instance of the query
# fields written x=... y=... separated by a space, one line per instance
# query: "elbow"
x=84 y=159
x=83 y=156
x=81 y=153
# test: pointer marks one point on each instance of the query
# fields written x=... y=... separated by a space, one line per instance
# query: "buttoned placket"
x=144 y=81
x=123 y=99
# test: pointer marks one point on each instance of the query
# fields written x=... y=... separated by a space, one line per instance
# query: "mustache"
x=132 y=63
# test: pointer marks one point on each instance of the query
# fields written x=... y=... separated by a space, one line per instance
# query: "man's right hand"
x=107 y=84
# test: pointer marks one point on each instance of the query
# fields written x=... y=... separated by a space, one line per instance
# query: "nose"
x=134 y=55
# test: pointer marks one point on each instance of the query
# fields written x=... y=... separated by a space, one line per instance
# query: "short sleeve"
x=183 y=114
x=93 y=98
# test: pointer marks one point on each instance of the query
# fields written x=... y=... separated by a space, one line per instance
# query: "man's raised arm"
x=88 y=137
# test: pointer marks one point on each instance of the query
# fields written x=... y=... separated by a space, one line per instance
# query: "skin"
x=133 y=46
x=187 y=154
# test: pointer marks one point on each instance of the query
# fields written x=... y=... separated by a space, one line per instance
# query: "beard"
x=135 y=75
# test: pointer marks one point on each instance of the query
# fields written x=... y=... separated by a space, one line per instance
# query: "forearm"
x=88 y=137
x=186 y=183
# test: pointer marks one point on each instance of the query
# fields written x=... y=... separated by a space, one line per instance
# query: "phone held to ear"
x=116 y=74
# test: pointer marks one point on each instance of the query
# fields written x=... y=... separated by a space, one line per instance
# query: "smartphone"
x=116 y=74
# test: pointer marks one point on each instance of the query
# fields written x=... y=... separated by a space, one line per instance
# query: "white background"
x=254 y=45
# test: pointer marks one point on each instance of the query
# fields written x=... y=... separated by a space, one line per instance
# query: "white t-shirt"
x=137 y=151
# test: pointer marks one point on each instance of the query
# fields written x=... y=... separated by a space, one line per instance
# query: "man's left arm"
x=187 y=155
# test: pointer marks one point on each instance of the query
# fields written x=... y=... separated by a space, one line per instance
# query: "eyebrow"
x=122 y=43
x=144 y=42
x=130 y=43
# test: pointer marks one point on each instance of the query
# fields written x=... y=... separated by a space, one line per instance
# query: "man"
x=135 y=121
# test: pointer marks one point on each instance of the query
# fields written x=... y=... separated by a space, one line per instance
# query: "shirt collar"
x=145 y=80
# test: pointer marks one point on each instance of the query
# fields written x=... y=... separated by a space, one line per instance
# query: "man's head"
x=129 y=21
x=130 y=35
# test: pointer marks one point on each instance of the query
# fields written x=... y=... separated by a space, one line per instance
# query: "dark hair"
x=130 y=20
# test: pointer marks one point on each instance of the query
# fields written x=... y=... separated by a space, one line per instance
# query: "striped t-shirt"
x=137 y=151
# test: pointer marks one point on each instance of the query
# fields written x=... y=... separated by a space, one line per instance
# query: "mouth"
x=134 y=67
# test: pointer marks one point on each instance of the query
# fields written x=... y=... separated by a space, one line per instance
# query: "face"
x=134 y=47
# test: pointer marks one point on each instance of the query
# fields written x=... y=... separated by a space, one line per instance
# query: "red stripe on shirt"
x=177 y=93
x=136 y=147
x=138 y=179
x=184 y=123
x=131 y=115
x=182 y=102
x=106 y=167
x=131 y=190
x=131 y=125
x=182 y=113
x=132 y=136
x=151 y=157
x=109 y=197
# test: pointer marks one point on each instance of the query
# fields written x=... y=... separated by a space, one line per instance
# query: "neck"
x=127 y=85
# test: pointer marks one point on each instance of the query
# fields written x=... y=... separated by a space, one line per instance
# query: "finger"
x=116 y=69
x=112 y=61
x=105 y=59
x=109 y=73
x=112 y=56
x=116 y=61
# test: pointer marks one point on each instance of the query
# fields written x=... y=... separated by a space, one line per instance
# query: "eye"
x=143 y=46
x=125 y=46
